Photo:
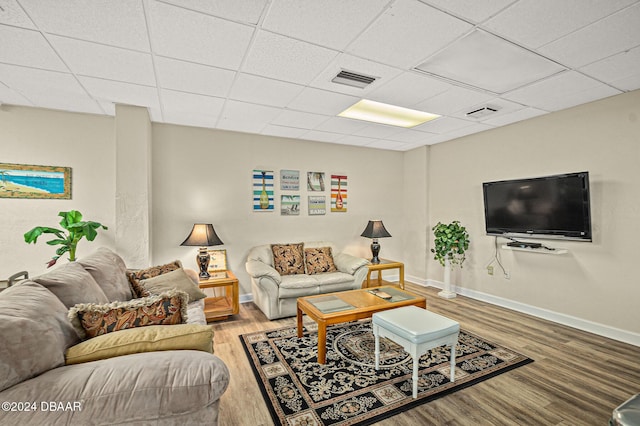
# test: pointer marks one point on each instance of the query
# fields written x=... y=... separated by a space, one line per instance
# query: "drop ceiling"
x=266 y=66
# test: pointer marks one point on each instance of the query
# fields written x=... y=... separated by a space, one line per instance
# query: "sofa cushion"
x=110 y=272
x=146 y=339
x=288 y=259
x=319 y=260
x=91 y=320
x=72 y=284
x=34 y=332
x=154 y=271
x=178 y=280
x=138 y=389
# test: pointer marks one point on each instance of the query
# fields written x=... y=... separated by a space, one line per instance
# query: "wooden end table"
x=353 y=305
x=221 y=307
x=383 y=265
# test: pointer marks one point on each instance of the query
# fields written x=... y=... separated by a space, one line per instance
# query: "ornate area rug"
x=347 y=390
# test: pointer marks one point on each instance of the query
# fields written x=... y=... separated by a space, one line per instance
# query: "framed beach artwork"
x=290 y=205
x=29 y=181
x=317 y=205
x=290 y=180
x=218 y=261
x=338 y=193
x=263 y=191
x=315 y=181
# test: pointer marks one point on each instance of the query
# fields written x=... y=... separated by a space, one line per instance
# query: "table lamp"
x=375 y=229
x=203 y=235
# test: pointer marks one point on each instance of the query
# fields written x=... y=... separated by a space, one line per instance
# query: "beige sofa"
x=157 y=387
x=276 y=294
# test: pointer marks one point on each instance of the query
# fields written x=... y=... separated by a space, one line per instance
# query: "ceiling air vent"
x=353 y=79
x=483 y=112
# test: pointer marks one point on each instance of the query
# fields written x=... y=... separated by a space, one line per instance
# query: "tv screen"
x=546 y=207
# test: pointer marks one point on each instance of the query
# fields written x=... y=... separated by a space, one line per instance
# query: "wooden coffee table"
x=353 y=305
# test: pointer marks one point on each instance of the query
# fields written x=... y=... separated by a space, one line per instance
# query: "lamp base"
x=203 y=259
x=375 y=249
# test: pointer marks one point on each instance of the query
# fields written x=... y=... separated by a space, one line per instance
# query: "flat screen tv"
x=555 y=207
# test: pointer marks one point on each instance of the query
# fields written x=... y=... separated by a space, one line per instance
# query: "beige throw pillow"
x=146 y=339
x=319 y=260
x=178 y=280
x=288 y=259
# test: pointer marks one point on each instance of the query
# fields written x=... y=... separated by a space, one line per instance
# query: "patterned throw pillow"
x=142 y=274
x=91 y=320
x=319 y=260
x=288 y=259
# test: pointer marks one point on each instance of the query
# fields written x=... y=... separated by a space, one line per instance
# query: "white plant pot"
x=447 y=292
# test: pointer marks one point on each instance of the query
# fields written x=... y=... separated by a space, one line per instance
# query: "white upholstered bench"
x=416 y=330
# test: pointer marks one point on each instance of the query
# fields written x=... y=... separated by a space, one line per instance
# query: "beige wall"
x=594 y=281
x=81 y=141
x=202 y=175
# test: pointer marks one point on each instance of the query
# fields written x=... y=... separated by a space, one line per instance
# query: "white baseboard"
x=245 y=298
x=564 y=319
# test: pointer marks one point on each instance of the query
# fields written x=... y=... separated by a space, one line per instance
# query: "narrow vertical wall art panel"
x=338 y=193
x=263 y=191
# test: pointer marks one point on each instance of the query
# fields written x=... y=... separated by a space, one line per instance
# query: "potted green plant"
x=451 y=242
x=76 y=229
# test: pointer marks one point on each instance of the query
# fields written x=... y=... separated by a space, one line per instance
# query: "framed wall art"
x=338 y=193
x=29 y=181
x=218 y=261
x=317 y=205
x=290 y=205
x=263 y=191
x=315 y=181
x=290 y=180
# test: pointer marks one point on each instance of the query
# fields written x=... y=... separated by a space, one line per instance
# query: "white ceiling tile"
x=409 y=136
x=302 y=120
x=193 y=78
x=406 y=33
x=617 y=69
x=469 y=130
x=28 y=48
x=121 y=93
x=561 y=91
x=191 y=36
x=515 y=116
x=283 y=131
x=535 y=23
x=614 y=34
x=236 y=110
x=316 y=135
x=342 y=125
x=189 y=109
x=331 y=23
x=628 y=83
x=444 y=125
x=473 y=10
x=387 y=144
x=382 y=73
x=12 y=14
x=377 y=131
x=97 y=20
x=265 y=91
x=283 y=58
x=96 y=60
x=9 y=96
x=485 y=61
x=452 y=100
x=322 y=102
x=408 y=89
x=248 y=11
x=355 y=140
x=48 y=89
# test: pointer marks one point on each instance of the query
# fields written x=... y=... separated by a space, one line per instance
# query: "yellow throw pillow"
x=178 y=280
x=145 y=339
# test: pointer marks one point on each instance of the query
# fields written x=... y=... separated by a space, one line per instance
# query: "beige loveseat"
x=276 y=293
x=156 y=386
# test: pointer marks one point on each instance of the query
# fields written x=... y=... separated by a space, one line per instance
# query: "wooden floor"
x=577 y=378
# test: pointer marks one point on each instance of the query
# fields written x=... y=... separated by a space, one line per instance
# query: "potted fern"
x=451 y=242
x=76 y=229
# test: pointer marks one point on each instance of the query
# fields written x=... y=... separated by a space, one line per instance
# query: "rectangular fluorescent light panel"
x=378 y=112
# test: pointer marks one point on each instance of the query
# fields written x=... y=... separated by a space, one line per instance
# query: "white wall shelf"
x=536 y=250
